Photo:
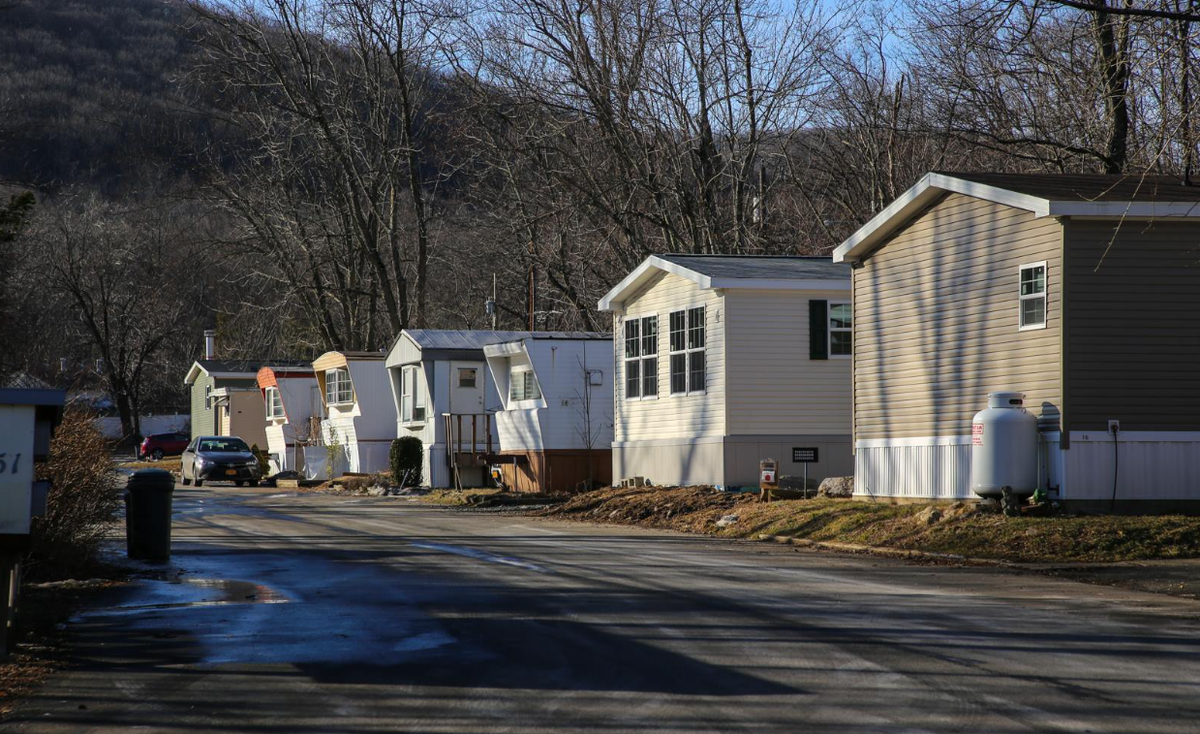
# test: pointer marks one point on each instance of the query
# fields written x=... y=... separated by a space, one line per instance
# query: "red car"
x=159 y=445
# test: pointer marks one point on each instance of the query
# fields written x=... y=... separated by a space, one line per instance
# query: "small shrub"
x=264 y=463
x=405 y=460
x=83 y=501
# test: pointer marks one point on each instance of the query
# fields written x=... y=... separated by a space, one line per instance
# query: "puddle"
x=481 y=556
x=191 y=593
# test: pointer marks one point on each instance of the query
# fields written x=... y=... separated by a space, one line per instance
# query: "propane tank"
x=1004 y=447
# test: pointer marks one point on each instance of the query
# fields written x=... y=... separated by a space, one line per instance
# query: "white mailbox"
x=27 y=420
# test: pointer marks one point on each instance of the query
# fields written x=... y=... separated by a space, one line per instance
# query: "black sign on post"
x=804 y=455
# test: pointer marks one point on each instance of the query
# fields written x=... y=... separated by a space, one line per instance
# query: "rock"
x=378 y=491
x=726 y=521
x=930 y=515
x=836 y=487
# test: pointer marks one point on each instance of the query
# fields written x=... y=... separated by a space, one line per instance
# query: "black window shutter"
x=818 y=329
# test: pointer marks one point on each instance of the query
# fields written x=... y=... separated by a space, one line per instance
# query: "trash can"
x=148 y=514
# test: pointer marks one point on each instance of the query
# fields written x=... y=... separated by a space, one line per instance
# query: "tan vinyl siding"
x=668 y=416
x=936 y=321
x=1133 y=336
x=773 y=385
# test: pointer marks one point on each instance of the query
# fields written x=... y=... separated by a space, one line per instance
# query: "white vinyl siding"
x=338 y=390
x=683 y=416
x=773 y=388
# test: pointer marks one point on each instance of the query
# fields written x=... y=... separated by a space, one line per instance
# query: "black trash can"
x=148 y=514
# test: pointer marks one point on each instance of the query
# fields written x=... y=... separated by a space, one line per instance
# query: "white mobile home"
x=555 y=425
x=359 y=416
x=291 y=399
x=722 y=361
x=441 y=390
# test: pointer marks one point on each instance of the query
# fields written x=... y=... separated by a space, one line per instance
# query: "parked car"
x=158 y=445
x=212 y=458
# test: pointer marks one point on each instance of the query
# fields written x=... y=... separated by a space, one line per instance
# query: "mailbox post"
x=27 y=421
x=768 y=479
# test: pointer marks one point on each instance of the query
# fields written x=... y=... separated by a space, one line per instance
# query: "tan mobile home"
x=1080 y=291
x=721 y=361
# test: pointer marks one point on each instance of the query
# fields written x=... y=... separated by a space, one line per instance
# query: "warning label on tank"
x=976 y=434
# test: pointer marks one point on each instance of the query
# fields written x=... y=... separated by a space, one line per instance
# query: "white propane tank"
x=1004 y=447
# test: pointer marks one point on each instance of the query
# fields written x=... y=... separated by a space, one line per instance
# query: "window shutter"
x=818 y=329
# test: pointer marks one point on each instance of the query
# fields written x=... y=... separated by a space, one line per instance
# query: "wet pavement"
x=284 y=612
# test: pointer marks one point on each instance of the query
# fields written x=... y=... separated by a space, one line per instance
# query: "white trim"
x=1044 y=295
x=505 y=349
x=639 y=319
x=829 y=329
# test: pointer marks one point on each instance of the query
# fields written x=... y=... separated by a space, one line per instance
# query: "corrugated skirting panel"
x=917 y=471
x=1155 y=466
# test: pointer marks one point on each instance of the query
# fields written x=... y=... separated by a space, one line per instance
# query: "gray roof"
x=249 y=366
x=1088 y=186
x=787 y=267
x=475 y=339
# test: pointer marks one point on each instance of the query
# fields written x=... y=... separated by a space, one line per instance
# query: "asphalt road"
x=314 y=613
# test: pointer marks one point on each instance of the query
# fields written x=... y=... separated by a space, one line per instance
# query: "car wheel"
x=253 y=482
x=156 y=454
x=238 y=482
x=183 y=478
x=196 y=478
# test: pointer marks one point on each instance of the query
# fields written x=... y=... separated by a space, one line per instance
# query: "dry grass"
x=170 y=463
x=961 y=530
x=456 y=497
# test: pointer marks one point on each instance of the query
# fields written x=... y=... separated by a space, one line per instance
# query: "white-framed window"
x=1033 y=296
x=641 y=357
x=412 y=398
x=687 y=340
x=208 y=397
x=338 y=390
x=467 y=376
x=841 y=337
x=523 y=385
x=274 y=403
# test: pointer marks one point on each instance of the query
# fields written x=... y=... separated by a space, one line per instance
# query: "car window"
x=220 y=445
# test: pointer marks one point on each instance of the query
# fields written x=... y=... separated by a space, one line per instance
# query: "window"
x=523 y=386
x=1033 y=296
x=641 y=357
x=841 y=338
x=467 y=376
x=274 y=403
x=687 y=351
x=208 y=397
x=412 y=398
x=338 y=390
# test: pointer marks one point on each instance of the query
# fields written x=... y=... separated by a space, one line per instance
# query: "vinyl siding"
x=202 y=418
x=936 y=321
x=774 y=387
x=1133 y=330
x=668 y=416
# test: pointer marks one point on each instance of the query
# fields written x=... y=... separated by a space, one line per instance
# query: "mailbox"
x=768 y=478
x=27 y=420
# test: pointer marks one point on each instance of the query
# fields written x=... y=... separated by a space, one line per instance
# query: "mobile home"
x=1079 y=291
x=556 y=416
x=443 y=395
x=225 y=400
x=292 y=404
x=721 y=361
x=360 y=418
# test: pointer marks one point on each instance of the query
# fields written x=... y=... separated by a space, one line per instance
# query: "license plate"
x=231 y=472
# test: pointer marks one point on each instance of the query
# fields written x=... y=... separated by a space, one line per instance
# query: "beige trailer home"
x=1080 y=291
x=721 y=361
